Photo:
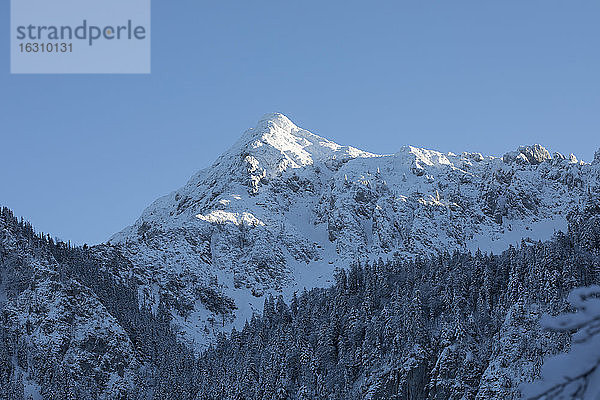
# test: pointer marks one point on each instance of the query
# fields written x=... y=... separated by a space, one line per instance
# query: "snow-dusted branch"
x=573 y=375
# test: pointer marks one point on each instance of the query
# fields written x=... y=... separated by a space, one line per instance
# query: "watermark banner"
x=80 y=36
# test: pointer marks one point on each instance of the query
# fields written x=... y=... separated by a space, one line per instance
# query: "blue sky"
x=82 y=155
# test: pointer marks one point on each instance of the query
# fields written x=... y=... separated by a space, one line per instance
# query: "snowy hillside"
x=283 y=208
x=54 y=330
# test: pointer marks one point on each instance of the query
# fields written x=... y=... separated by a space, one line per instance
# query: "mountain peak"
x=274 y=129
x=277 y=119
x=277 y=142
x=534 y=155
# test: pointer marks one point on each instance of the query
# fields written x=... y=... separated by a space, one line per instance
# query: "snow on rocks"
x=235 y=226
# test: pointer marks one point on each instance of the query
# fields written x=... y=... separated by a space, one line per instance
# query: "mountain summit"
x=276 y=144
x=283 y=208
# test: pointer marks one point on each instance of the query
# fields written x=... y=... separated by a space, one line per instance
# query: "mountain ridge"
x=283 y=207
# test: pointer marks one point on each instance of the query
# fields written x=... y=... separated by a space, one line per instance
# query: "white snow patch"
x=223 y=217
x=513 y=232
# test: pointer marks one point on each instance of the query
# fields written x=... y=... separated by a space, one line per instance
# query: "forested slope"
x=451 y=327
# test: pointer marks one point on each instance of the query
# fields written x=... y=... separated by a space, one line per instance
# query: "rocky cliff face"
x=283 y=208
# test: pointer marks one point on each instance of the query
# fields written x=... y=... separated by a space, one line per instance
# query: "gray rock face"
x=535 y=154
x=532 y=155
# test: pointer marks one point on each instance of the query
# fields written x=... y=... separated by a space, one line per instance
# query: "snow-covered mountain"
x=282 y=208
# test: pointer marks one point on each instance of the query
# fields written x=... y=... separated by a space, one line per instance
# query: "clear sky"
x=82 y=155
